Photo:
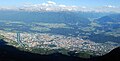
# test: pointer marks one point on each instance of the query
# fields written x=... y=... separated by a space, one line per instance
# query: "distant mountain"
x=110 y=21
x=114 y=18
x=50 y=17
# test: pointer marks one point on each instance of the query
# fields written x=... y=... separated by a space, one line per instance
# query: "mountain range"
x=50 y=16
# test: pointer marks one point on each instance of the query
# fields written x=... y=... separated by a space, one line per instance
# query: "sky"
x=88 y=3
x=71 y=5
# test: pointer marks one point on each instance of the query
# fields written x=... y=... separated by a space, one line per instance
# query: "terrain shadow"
x=10 y=53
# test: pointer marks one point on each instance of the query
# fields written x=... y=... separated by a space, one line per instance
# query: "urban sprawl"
x=47 y=40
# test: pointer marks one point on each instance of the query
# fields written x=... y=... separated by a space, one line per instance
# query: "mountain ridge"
x=9 y=53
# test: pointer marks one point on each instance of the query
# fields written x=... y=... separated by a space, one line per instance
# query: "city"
x=50 y=41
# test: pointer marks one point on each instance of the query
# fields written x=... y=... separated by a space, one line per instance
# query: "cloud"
x=51 y=2
x=110 y=6
x=62 y=5
x=53 y=6
x=107 y=8
x=49 y=6
x=8 y=8
x=84 y=7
